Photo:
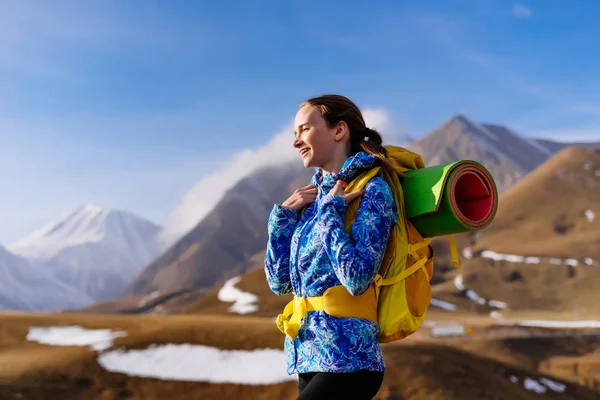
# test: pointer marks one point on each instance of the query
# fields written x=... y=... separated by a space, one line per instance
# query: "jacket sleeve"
x=282 y=222
x=356 y=260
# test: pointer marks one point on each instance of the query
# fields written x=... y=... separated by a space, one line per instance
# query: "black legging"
x=360 y=385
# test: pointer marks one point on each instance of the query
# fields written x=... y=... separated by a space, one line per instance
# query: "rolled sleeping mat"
x=451 y=198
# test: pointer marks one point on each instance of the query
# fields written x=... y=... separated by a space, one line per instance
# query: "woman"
x=309 y=252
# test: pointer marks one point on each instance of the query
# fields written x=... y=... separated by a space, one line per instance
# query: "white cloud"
x=379 y=119
x=521 y=11
x=208 y=191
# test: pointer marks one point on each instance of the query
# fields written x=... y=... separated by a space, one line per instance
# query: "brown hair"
x=335 y=108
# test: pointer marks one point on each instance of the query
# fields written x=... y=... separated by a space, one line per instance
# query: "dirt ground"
x=420 y=367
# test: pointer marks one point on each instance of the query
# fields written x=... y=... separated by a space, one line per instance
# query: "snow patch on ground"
x=97 y=339
x=449 y=330
x=496 y=314
x=179 y=362
x=539 y=386
x=458 y=283
x=467 y=253
x=498 y=304
x=532 y=260
x=243 y=301
x=148 y=298
x=555 y=386
x=534 y=386
x=198 y=363
x=560 y=324
x=443 y=304
x=590 y=215
x=472 y=295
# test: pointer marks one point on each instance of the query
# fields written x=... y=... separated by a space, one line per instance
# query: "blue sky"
x=127 y=104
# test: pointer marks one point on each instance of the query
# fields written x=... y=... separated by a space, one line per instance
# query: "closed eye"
x=303 y=128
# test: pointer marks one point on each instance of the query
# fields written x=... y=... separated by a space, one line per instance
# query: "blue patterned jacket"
x=307 y=255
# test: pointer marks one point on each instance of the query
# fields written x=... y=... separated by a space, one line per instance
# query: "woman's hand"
x=301 y=197
x=338 y=190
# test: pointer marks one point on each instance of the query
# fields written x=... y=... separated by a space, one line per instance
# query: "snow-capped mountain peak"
x=94 y=248
x=88 y=224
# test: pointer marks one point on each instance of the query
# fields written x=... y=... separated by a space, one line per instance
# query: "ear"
x=341 y=131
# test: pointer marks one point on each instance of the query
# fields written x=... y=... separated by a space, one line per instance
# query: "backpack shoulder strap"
x=356 y=184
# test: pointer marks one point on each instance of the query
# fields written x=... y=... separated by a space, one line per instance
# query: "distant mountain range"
x=507 y=155
x=95 y=250
x=105 y=254
x=26 y=287
x=220 y=246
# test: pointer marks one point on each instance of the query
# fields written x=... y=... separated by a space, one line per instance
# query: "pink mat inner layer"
x=473 y=197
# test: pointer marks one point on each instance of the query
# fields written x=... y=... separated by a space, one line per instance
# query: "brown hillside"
x=415 y=369
x=544 y=287
x=544 y=217
x=545 y=213
x=155 y=302
x=575 y=358
x=253 y=281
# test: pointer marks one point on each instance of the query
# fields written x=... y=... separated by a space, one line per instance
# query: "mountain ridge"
x=96 y=249
x=25 y=287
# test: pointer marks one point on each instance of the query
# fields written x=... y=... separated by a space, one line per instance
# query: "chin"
x=307 y=163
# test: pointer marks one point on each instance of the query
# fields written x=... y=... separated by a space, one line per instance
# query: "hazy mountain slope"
x=28 y=288
x=235 y=230
x=95 y=249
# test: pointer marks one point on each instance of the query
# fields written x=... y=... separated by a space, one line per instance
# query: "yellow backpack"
x=400 y=295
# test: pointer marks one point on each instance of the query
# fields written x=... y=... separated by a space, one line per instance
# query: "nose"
x=297 y=143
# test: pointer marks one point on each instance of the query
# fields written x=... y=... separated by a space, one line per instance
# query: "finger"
x=307 y=187
x=303 y=192
x=308 y=196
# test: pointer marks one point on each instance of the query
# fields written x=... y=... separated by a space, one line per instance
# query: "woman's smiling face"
x=314 y=139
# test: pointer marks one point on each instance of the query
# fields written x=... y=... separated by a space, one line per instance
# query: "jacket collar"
x=353 y=166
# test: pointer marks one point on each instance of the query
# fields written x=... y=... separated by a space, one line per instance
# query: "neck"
x=335 y=164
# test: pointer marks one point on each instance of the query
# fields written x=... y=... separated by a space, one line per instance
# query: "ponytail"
x=372 y=143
